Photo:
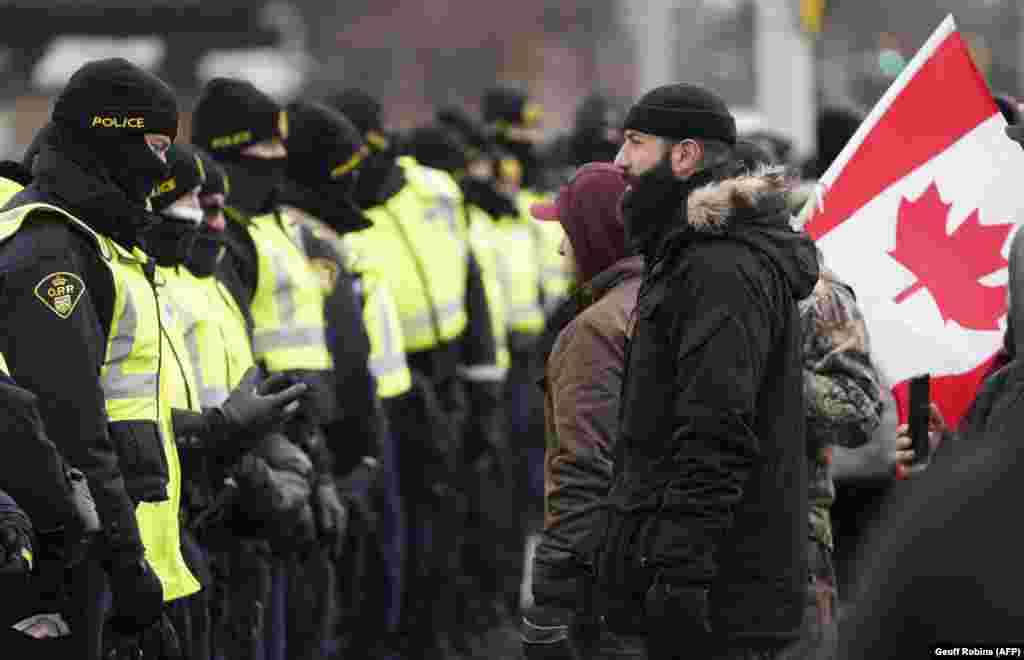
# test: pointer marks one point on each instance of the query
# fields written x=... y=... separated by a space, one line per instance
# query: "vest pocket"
x=142 y=460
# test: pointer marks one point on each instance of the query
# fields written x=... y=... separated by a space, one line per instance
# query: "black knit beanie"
x=233 y=114
x=470 y=133
x=186 y=174
x=116 y=98
x=323 y=145
x=437 y=147
x=364 y=111
x=506 y=105
x=682 y=111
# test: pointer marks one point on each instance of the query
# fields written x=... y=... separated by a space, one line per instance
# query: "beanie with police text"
x=233 y=114
x=116 y=98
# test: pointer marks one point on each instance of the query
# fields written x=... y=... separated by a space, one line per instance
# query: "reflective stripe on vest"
x=387 y=355
x=520 y=276
x=556 y=273
x=159 y=522
x=426 y=268
x=3 y=366
x=485 y=247
x=288 y=305
x=223 y=348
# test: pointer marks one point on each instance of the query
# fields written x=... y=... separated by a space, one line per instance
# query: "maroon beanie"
x=589 y=209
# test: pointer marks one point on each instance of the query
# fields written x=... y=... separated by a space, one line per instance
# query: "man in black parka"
x=704 y=550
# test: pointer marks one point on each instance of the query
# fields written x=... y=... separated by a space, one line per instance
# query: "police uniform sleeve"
x=54 y=346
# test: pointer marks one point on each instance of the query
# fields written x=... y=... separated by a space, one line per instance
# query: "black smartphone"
x=920 y=413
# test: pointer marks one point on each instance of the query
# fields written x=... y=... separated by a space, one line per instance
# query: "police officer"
x=325 y=152
x=418 y=230
x=494 y=548
x=219 y=430
x=244 y=130
x=82 y=330
x=245 y=507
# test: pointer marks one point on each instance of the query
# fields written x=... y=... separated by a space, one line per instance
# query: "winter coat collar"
x=712 y=207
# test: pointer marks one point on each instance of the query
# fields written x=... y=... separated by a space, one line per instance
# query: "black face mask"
x=170 y=241
x=329 y=202
x=483 y=194
x=380 y=177
x=206 y=252
x=134 y=168
x=255 y=183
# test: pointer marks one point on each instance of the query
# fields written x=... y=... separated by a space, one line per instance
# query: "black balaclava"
x=325 y=151
x=171 y=241
x=380 y=176
x=596 y=135
x=111 y=104
x=209 y=247
x=230 y=116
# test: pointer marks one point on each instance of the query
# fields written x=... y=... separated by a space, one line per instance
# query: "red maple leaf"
x=949 y=266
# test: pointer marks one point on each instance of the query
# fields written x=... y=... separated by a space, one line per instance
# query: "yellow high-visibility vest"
x=133 y=389
x=387 y=360
x=484 y=240
x=421 y=236
x=288 y=305
x=556 y=275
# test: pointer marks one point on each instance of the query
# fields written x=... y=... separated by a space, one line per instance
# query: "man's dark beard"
x=651 y=204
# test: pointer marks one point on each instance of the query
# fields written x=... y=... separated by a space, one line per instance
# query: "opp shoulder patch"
x=60 y=292
x=327 y=271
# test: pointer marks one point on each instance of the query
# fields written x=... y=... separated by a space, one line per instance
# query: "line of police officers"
x=290 y=361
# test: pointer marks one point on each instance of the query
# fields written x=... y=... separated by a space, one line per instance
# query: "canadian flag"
x=916 y=214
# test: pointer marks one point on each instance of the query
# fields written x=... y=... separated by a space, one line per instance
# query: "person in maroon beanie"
x=584 y=348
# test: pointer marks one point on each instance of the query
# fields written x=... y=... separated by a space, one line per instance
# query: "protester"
x=713 y=394
x=585 y=350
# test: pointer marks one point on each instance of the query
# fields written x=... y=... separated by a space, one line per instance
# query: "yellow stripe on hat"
x=376 y=140
x=351 y=163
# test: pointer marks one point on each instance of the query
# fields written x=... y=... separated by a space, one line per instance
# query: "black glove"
x=15 y=543
x=69 y=544
x=675 y=612
x=331 y=515
x=138 y=594
x=254 y=408
x=274 y=493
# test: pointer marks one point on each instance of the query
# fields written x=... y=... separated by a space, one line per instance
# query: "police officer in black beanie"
x=325 y=154
x=379 y=175
x=245 y=130
x=708 y=511
x=67 y=264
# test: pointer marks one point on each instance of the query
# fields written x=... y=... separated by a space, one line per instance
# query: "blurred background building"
x=773 y=60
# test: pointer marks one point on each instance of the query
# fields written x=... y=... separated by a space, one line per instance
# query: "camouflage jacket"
x=841 y=387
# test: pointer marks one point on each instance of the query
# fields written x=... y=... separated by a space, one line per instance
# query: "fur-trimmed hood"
x=751 y=208
x=710 y=207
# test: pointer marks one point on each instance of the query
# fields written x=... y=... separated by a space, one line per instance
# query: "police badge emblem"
x=60 y=292
x=327 y=271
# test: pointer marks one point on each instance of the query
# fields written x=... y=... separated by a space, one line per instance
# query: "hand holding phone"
x=918 y=419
